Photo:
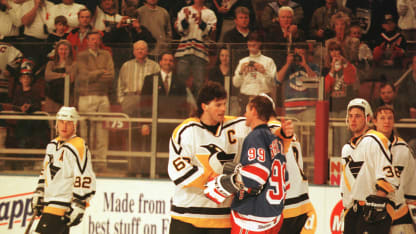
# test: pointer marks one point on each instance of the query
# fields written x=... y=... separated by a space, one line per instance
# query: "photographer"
x=10 y=20
x=254 y=74
x=129 y=30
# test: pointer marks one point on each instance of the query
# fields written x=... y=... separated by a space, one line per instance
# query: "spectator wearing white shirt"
x=106 y=16
x=34 y=16
x=67 y=8
x=9 y=19
x=255 y=73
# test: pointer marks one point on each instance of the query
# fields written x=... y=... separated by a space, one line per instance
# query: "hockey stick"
x=29 y=226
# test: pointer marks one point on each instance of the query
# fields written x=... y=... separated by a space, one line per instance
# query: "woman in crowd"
x=56 y=72
x=222 y=66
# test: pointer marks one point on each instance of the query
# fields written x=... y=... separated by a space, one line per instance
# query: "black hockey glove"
x=75 y=212
x=231 y=168
x=375 y=209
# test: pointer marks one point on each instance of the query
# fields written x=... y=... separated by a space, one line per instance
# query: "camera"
x=251 y=63
x=297 y=58
x=3 y=7
x=129 y=21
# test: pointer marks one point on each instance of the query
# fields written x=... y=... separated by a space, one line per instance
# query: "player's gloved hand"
x=220 y=188
x=75 y=212
x=375 y=209
x=37 y=201
x=231 y=168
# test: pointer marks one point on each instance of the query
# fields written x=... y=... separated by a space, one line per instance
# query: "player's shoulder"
x=232 y=121
x=187 y=125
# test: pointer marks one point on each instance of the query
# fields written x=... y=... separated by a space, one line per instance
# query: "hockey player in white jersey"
x=369 y=183
x=358 y=119
x=67 y=181
x=198 y=148
x=404 y=168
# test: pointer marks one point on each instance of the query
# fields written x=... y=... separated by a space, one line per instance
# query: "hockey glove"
x=220 y=188
x=375 y=209
x=37 y=201
x=231 y=168
x=75 y=212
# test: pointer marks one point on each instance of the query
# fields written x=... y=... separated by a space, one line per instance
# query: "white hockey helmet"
x=359 y=102
x=68 y=113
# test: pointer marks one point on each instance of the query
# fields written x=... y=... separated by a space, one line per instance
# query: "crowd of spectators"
x=273 y=46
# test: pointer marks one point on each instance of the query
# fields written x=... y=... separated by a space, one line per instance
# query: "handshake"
x=228 y=183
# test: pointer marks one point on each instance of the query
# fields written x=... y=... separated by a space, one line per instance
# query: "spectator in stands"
x=339 y=88
x=195 y=24
x=157 y=20
x=390 y=49
x=340 y=23
x=225 y=12
x=300 y=79
x=241 y=30
x=221 y=68
x=66 y=8
x=77 y=37
x=106 y=16
x=128 y=30
x=34 y=16
x=388 y=97
x=10 y=59
x=28 y=133
x=171 y=92
x=254 y=74
x=9 y=19
x=286 y=30
x=370 y=15
x=56 y=72
x=320 y=25
x=365 y=54
x=270 y=15
x=94 y=74
x=407 y=18
x=59 y=33
x=132 y=76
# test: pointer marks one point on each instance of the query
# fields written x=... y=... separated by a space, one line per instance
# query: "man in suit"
x=171 y=93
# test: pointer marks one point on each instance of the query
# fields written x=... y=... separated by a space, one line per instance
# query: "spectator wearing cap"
x=254 y=74
x=390 y=49
x=66 y=8
x=94 y=75
x=407 y=18
x=28 y=133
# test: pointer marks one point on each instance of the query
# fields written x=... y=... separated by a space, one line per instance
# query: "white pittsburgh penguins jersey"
x=404 y=168
x=67 y=173
x=347 y=175
x=297 y=199
x=369 y=164
x=192 y=162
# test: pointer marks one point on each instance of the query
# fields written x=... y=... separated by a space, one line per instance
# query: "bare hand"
x=223 y=10
x=287 y=127
x=412 y=112
x=260 y=68
x=145 y=130
x=320 y=33
x=187 y=13
x=25 y=107
x=289 y=59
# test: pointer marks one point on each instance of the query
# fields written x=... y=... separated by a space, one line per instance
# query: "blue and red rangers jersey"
x=264 y=168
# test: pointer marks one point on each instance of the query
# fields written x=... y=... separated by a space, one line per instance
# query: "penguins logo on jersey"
x=355 y=167
x=53 y=169
x=222 y=156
